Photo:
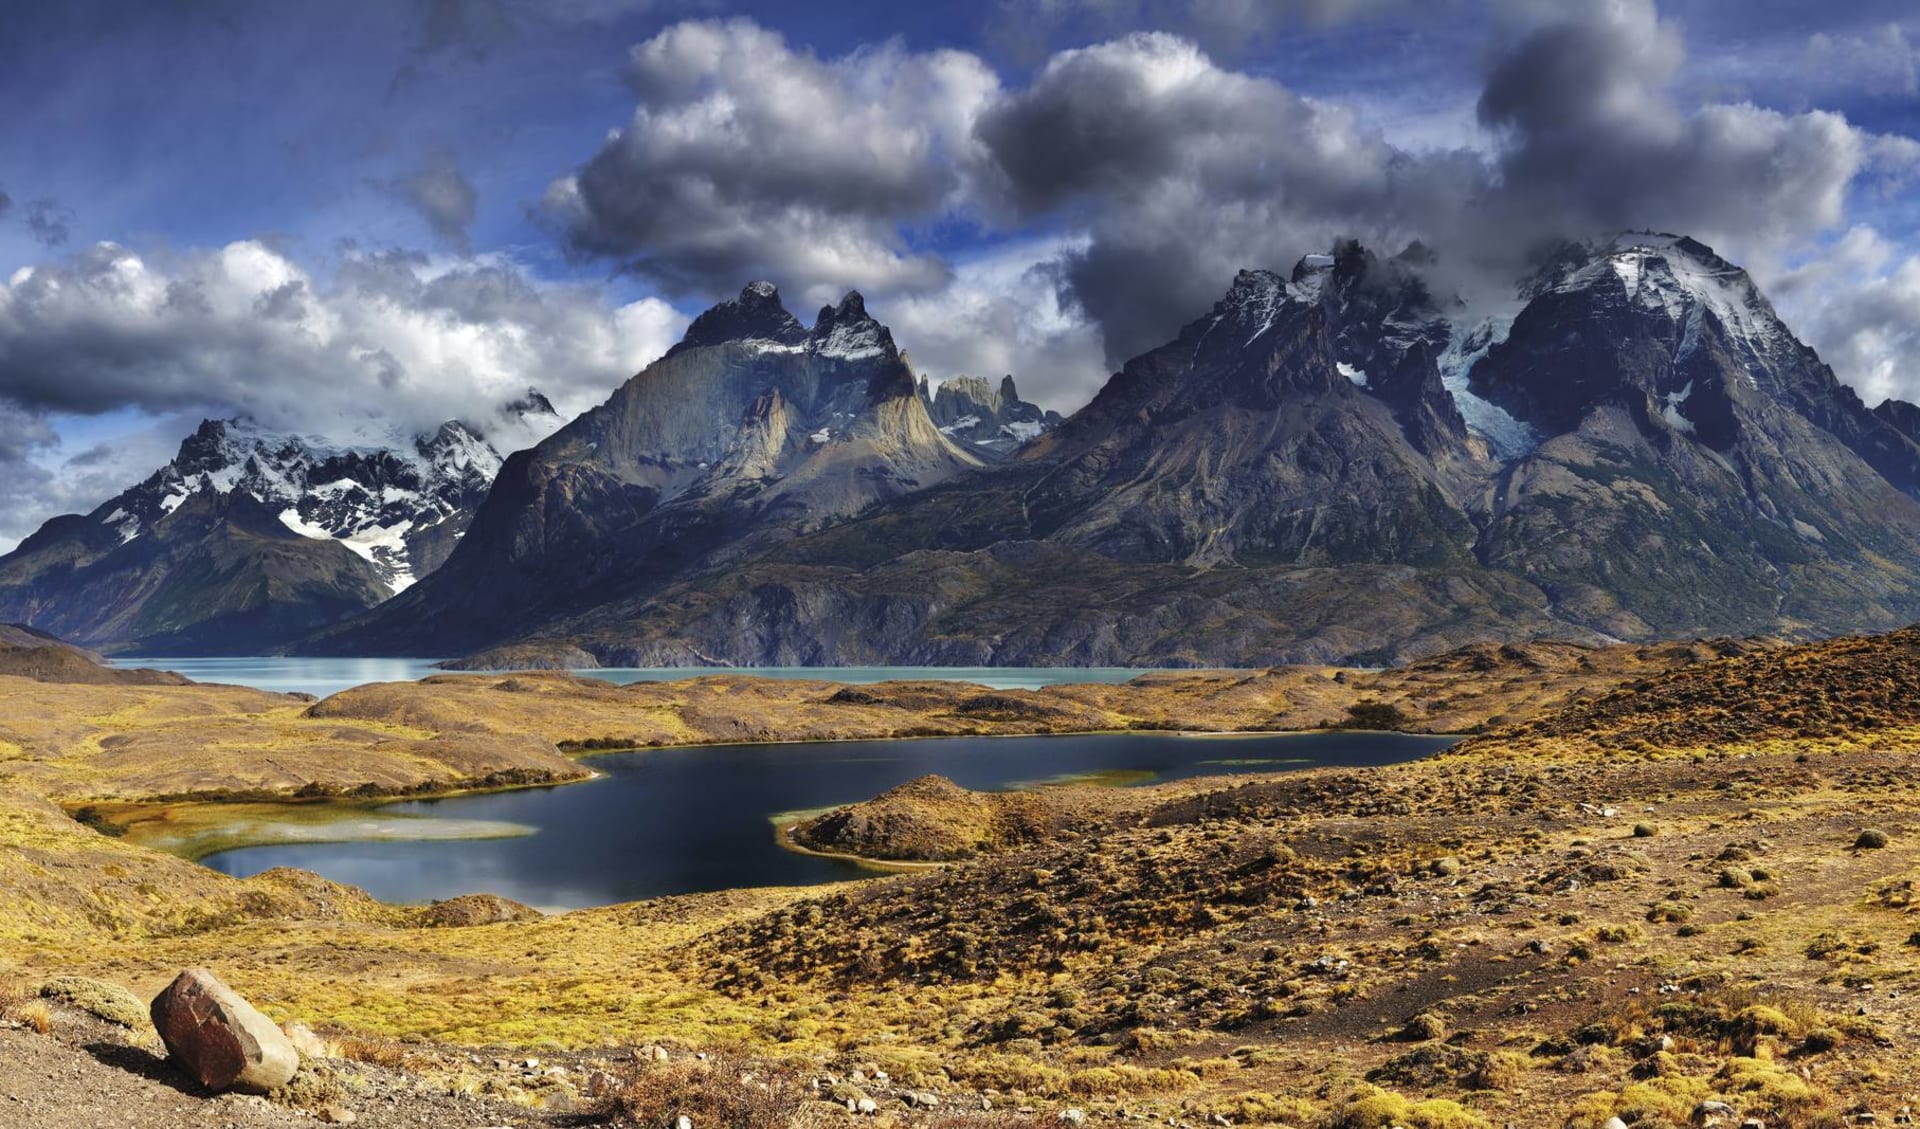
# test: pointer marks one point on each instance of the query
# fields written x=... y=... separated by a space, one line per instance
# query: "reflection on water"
x=321 y=677
x=674 y=821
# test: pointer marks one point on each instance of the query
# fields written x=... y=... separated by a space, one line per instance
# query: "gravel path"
x=87 y=1076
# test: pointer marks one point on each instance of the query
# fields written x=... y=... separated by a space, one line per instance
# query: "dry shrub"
x=36 y=1015
x=375 y=1052
x=719 y=1093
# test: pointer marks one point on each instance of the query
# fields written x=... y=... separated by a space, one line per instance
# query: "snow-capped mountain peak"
x=400 y=507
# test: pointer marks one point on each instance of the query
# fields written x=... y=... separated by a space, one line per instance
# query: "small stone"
x=337 y=1115
x=867 y=1105
x=683 y=1122
x=304 y=1040
x=1079 y=1116
x=1613 y=1123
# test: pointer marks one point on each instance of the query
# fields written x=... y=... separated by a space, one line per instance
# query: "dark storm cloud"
x=1182 y=172
x=746 y=157
x=1592 y=138
x=442 y=194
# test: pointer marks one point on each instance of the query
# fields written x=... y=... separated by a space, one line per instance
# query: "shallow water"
x=321 y=677
x=674 y=821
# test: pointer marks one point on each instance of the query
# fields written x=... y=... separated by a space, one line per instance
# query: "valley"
x=1591 y=909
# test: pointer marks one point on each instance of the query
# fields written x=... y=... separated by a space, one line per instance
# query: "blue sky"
x=361 y=216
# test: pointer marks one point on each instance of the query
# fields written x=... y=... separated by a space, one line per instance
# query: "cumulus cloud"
x=442 y=194
x=389 y=343
x=747 y=158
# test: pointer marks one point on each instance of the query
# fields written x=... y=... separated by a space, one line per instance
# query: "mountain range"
x=249 y=538
x=1331 y=465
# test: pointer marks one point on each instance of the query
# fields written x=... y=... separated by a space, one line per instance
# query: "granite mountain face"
x=753 y=430
x=249 y=538
x=1333 y=464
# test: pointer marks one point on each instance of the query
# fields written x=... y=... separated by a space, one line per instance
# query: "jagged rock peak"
x=848 y=332
x=756 y=315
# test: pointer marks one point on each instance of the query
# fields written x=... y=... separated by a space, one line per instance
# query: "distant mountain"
x=249 y=538
x=1331 y=465
x=991 y=421
x=754 y=429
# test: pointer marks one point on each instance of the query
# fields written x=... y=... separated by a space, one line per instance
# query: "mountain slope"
x=751 y=430
x=1704 y=471
x=218 y=574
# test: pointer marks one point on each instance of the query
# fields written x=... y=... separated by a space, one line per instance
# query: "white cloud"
x=387 y=344
x=1858 y=305
x=1003 y=315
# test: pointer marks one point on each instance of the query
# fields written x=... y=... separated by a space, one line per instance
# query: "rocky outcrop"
x=219 y=1039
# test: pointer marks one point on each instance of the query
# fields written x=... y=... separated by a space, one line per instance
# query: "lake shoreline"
x=116 y=813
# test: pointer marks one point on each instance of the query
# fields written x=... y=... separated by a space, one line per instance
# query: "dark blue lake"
x=676 y=821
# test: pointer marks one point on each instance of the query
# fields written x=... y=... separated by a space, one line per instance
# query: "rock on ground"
x=219 y=1038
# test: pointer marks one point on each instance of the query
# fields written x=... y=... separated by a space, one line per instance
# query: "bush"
x=1370 y=1108
x=1371 y=714
x=720 y=1093
x=1872 y=839
x=106 y=1001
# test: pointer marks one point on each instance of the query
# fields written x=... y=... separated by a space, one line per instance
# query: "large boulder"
x=218 y=1038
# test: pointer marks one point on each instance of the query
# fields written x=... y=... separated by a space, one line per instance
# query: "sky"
x=361 y=218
